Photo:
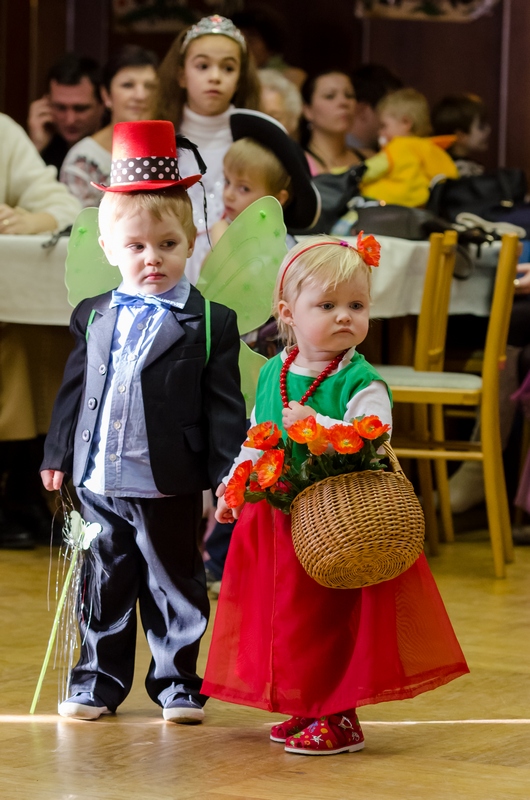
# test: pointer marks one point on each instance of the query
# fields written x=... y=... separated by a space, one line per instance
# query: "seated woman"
x=280 y=99
x=463 y=116
x=128 y=89
x=329 y=108
x=32 y=357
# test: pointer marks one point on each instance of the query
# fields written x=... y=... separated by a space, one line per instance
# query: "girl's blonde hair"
x=174 y=200
x=410 y=104
x=171 y=97
x=248 y=157
x=319 y=261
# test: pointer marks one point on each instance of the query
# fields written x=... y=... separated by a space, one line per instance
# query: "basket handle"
x=394 y=463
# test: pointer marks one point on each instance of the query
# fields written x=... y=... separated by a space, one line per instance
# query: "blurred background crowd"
x=346 y=89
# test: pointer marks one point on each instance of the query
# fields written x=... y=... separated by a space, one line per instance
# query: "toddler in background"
x=263 y=161
x=251 y=171
x=409 y=160
x=465 y=117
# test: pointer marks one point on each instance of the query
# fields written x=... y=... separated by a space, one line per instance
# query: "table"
x=32 y=289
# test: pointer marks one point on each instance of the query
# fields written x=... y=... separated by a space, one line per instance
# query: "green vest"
x=330 y=398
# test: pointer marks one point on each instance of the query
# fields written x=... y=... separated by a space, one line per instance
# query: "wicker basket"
x=358 y=529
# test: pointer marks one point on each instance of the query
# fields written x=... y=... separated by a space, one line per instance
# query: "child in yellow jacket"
x=409 y=160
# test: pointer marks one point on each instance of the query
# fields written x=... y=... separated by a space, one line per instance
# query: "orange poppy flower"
x=308 y=431
x=235 y=489
x=319 y=444
x=345 y=439
x=370 y=427
x=269 y=467
x=263 y=436
x=303 y=430
x=369 y=249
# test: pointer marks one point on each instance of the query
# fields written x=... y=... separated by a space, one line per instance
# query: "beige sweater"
x=27 y=182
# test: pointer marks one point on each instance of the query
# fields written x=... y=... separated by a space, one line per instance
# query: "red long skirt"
x=284 y=643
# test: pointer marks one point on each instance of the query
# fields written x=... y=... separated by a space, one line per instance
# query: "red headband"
x=368 y=248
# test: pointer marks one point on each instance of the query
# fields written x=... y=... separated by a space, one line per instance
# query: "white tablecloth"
x=397 y=284
x=32 y=289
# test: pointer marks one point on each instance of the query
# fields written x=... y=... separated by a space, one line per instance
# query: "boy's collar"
x=177 y=296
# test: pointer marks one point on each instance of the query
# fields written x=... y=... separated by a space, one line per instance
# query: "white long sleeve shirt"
x=26 y=181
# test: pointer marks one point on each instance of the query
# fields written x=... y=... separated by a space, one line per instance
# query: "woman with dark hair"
x=328 y=111
x=128 y=91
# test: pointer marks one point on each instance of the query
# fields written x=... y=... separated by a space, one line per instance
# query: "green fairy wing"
x=88 y=272
x=241 y=271
x=250 y=364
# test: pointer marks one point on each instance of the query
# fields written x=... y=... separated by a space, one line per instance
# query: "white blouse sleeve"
x=372 y=400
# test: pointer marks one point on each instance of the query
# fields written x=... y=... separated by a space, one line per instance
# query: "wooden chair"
x=429 y=353
x=430 y=389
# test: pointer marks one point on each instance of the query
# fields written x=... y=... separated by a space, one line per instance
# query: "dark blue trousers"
x=146 y=554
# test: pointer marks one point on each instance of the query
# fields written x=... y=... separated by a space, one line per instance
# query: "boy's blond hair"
x=326 y=265
x=410 y=104
x=173 y=200
x=248 y=157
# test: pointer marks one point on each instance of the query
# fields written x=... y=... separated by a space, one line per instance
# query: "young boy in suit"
x=146 y=418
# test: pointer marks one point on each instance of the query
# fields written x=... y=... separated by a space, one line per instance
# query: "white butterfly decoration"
x=82 y=533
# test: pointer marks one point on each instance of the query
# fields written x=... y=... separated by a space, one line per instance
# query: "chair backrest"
x=429 y=352
x=501 y=308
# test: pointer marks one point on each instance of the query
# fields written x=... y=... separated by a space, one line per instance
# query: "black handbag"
x=399 y=221
x=335 y=193
x=417 y=224
x=485 y=195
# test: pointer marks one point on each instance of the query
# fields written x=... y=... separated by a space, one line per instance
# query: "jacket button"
x=85 y=436
x=102 y=369
x=92 y=403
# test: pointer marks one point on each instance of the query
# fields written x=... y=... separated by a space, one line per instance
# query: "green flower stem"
x=53 y=633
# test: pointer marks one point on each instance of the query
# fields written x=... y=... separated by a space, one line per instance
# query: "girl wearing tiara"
x=281 y=641
x=206 y=72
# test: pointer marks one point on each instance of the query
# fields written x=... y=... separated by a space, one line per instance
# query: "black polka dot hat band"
x=144 y=158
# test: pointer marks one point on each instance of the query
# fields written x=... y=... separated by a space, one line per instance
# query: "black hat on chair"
x=303 y=209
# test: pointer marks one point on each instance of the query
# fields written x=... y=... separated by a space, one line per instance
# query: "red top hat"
x=144 y=158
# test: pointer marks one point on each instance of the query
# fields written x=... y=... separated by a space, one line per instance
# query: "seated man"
x=70 y=110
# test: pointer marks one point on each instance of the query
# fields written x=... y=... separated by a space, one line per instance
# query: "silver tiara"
x=214 y=24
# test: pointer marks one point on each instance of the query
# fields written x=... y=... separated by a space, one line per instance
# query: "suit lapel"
x=174 y=324
x=100 y=331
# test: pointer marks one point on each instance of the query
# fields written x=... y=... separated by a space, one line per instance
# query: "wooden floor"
x=468 y=740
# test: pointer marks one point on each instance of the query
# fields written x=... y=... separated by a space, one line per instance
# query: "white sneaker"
x=83 y=705
x=466 y=487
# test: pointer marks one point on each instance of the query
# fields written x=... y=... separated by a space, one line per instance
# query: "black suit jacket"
x=194 y=412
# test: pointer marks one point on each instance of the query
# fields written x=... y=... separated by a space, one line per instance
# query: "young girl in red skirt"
x=281 y=641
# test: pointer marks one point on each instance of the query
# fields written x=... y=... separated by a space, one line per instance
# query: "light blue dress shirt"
x=119 y=464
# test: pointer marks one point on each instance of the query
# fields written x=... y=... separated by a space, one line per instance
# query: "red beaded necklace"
x=316 y=383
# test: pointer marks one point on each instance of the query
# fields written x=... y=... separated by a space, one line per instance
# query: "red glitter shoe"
x=282 y=731
x=338 y=733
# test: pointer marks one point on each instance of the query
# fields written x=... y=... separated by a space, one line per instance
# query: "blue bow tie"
x=123 y=299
